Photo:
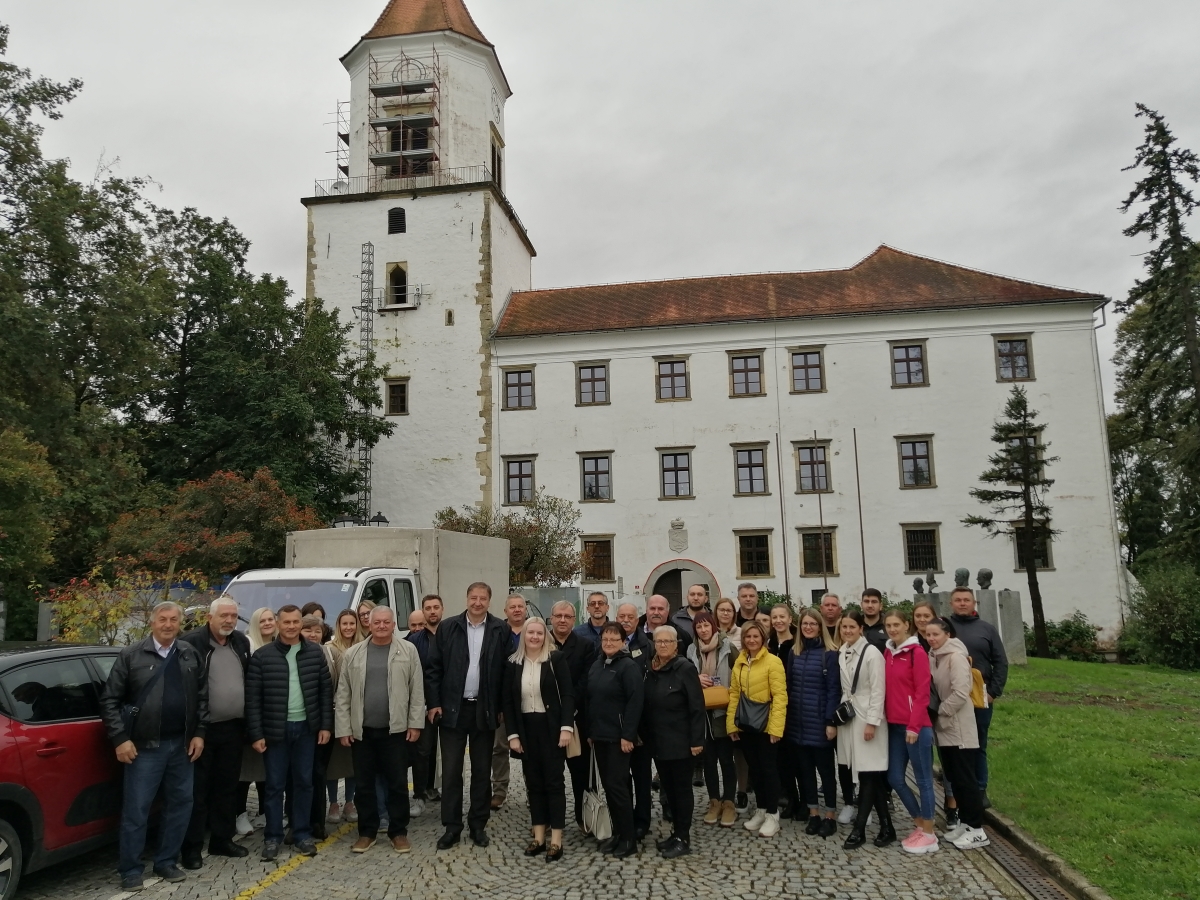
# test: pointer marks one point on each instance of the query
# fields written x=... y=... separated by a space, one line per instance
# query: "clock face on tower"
x=496 y=105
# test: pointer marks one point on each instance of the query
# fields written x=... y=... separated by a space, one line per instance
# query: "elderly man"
x=658 y=613
x=988 y=656
x=637 y=642
x=597 y=610
x=580 y=653
x=379 y=714
x=464 y=681
x=226 y=655
x=155 y=710
x=515 y=614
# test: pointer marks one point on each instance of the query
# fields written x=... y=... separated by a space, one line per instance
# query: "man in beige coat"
x=379 y=711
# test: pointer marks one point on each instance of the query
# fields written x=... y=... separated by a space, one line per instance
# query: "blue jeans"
x=168 y=766
x=295 y=753
x=920 y=755
x=983 y=721
x=333 y=790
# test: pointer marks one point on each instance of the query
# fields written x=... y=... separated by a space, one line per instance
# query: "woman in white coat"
x=862 y=742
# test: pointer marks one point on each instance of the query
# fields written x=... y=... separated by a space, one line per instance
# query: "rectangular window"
x=921 y=551
x=908 y=365
x=751 y=470
x=592 y=383
x=397 y=398
x=597 y=559
x=676 y=474
x=812 y=468
x=1041 y=546
x=518 y=389
x=672 y=379
x=597 y=477
x=518 y=480
x=916 y=461
x=745 y=375
x=1013 y=359
x=1018 y=460
x=754 y=555
x=808 y=374
x=818 y=555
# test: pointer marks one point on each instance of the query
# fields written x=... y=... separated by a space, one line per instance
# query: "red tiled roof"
x=887 y=281
x=421 y=16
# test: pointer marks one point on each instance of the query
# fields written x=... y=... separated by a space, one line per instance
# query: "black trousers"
x=215 y=785
x=544 y=780
x=959 y=765
x=675 y=779
x=763 y=762
x=789 y=772
x=846 y=777
x=811 y=761
x=454 y=747
x=872 y=794
x=643 y=780
x=614 y=775
x=320 y=767
x=718 y=766
x=580 y=768
x=381 y=754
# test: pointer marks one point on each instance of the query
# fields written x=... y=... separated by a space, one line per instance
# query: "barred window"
x=754 y=555
x=817 y=552
x=921 y=551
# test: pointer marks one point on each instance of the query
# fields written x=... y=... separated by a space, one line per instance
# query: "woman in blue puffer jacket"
x=814 y=691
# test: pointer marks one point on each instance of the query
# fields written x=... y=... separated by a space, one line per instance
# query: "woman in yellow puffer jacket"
x=758 y=677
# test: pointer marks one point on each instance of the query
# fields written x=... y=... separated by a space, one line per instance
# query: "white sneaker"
x=243 y=825
x=755 y=822
x=770 y=825
x=953 y=834
x=846 y=816
x=972 y=839
x=416 y=807
x=259 y=821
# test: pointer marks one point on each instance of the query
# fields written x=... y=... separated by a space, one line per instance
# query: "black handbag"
x=751 y=715
x=845 y=711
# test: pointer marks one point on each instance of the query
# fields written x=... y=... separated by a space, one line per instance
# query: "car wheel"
x=11 y=861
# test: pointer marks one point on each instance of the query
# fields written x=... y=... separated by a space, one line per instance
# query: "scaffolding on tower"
x=341 y=149
x=366 y=339
x=404 y=110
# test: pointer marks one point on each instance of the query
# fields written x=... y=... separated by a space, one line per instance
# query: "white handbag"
x=596 y=820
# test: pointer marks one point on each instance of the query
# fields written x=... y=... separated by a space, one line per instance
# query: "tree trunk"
x=1041 y=638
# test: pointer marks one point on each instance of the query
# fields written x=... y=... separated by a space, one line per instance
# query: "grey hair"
x=223 y=600
x=568 y=605
x=386 y=609
x=747 y=584
x=166 y=604
x=668 y=630
x=833 y=595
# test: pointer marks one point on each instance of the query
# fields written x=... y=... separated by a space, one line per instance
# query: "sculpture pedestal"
x=1012 y=626
x=987 y=607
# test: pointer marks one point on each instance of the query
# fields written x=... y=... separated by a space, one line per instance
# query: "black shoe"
x=801 y=814
x=131 y=883
x=270 y=850
x=319 y=833
x=640 y=833
x=951 y=818
x=624 y=849
x=227 y=848
x=534 y=848
x=288 y=838
x=307 y=847
x=828 y=828
x=785 y=809
x=665 y=842
x=814 y=825
x=608 y=844
x=170 y=873
x=554 y=853
x=856 y=839
x=984 y=801
x=449 y=839
x=887 y=834
x=677 y=848
x=191 y=859
x=741 y=802
x=479 y=837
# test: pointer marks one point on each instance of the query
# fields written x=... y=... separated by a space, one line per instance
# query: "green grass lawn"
x=1101 y=763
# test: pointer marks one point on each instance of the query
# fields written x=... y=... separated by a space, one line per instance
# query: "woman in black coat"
x=539 y=711
x=673 y=725
x=614 y=709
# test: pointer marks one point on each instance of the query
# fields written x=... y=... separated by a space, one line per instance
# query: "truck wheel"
x=11 y=861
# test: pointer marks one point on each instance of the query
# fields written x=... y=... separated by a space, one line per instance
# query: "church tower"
x=415 y=243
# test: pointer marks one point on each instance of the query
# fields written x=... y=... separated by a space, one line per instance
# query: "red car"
x=60 y=782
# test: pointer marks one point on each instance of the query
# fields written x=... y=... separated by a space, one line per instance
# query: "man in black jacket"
x=988 y=656
x=226 y=655
x=155 y=710
x=641 y=648
x=579 y=653
x=466 y=669
x=289 y=711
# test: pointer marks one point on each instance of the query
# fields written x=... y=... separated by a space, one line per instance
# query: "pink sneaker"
x=912 y=834
x=922 y=843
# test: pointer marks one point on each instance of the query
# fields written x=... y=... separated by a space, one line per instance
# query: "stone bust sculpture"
x=985 y=579
x=918 y=586
x=961 y=577
x=931 y=580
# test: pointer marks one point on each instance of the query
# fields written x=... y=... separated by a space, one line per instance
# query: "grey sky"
x=655 y=139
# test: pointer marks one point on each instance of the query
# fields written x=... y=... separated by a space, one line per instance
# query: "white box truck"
x=339 y=567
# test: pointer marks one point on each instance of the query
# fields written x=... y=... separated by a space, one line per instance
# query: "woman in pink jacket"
x=910 y=732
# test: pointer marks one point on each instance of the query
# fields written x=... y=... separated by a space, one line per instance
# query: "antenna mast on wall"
x=366 y=335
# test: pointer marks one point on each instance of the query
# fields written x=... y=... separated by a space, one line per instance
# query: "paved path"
x=725 y=863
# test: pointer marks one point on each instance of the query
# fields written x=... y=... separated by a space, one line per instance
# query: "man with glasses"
x=597 y=609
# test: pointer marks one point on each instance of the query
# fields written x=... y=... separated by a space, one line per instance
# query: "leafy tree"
x=215 y=527
x=543 y=537
x=1139 y=488
x=1018 y=500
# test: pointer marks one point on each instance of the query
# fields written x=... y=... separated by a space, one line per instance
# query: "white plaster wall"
x=958 y=408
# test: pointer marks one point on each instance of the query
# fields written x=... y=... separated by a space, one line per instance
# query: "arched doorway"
x=674 y=577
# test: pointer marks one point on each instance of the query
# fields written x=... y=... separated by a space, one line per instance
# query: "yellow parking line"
x=291 y=865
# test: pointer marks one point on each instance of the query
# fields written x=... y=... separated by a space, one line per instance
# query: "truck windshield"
x=333 y=595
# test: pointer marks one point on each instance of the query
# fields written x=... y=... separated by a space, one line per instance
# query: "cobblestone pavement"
x=725 y=863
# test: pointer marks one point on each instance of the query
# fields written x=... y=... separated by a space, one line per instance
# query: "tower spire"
x=422 y=16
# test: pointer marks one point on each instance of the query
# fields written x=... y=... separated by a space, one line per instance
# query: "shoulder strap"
x=861 y=656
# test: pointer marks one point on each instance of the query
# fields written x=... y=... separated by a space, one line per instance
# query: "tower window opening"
x=396 y=220
x=397 y=290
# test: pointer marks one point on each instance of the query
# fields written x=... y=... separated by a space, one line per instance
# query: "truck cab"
x=335 y=589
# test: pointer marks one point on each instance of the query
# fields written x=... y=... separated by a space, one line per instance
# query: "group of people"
x=762 y=703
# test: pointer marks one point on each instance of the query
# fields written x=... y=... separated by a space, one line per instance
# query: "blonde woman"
x=364 y=616
x=725 y=612
x=262 y=629
x=539 y=712
x=345 y=635
x=346 y=632
x=758 y=678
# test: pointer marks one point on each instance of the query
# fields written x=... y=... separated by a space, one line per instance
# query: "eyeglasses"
x=665 y=641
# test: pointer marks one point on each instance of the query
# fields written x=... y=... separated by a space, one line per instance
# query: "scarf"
x=708 y=655
x=654 y=664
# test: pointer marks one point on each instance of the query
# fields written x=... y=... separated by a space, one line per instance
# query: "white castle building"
x=795 y=430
